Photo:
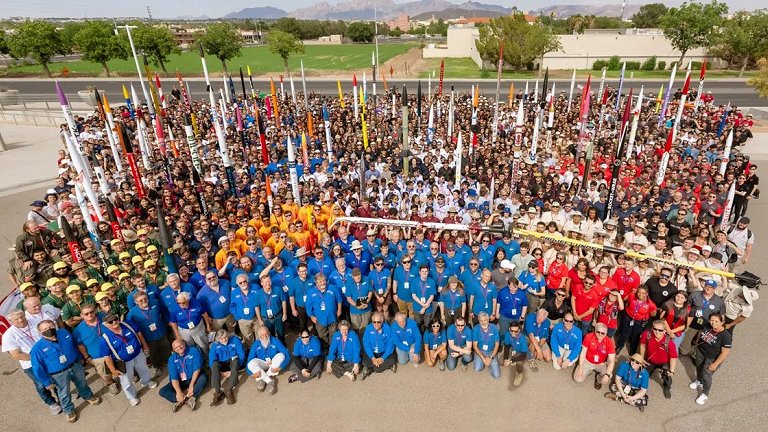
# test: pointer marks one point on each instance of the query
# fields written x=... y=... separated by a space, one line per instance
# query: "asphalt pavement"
x=735 y=91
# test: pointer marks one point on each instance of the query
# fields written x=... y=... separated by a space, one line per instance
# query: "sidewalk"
x=30 y=159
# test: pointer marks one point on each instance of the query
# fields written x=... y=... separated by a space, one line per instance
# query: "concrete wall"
x=461 y=43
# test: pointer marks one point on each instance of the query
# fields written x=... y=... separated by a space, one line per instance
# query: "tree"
x=288 y=25
x=223 y=41
x=396 y=32
x=693 y=25
x=156 y=42
x=359 y=32
x=67 y=36
x=4 y=43
x=438 y=27
x=523 y=43
x=742 y=40
x=36 y=39
x=283 y=44
x=760 y=81
x=649 y=15
x=99 y=43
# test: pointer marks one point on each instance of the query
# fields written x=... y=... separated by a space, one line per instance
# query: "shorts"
x=100 y=364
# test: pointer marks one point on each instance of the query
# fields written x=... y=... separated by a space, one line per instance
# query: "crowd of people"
x=251 y=269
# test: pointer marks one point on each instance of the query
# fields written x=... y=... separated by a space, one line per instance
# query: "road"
x=423 y=398
x=735 y=91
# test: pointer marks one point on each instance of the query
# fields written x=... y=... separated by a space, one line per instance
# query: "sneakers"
x=217 y=398
x=533 y=365
x=702 y=399
x=293 y=378
x=94 y=400
x=55 y=409
x=151 y=384
x=134 y=402
x=641 y=408
x=667 y=393
x=230 y=397
x=695 y=385
x=112 y=389
x=394 y=368
x=366 y=373
x=261 y=385
x=518 y=379
x=272 y=388
x=442 y=365
x=177 y=406
x=71 y=418
x=464 y=367
x=612 y=396
x=191 y=403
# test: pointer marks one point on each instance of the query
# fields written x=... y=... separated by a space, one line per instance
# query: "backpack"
x=733 y=257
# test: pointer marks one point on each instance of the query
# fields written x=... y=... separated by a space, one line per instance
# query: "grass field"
x=466 y=68
x=260 y=59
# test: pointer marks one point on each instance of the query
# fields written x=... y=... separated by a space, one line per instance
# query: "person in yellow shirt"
x=277 y=241
x=301 y=237
x=236 y=243
x=290 y=206
x=278 y=219
x=224 y=247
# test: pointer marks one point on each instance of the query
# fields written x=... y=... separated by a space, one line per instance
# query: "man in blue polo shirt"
x=344 y=354
x=226 y=357
x=512 y=304
x=150 y=321
x=244 y=299
x=486 y=341
x=129 y=350
x=378 y=347
x=482 y=298
x=298 y=289
x=268 y=357
x=407 y=339
x=565 y=343
x=174 y=287
x=87 y=336
x=459 y=344
x=186 y=375
x=323 y=309
x=272 y=307
x=423 y=296
x=56 y=364
x=189 y=322
x=214 y=296
x=358 y=295
x=515 y=351
x=537 y=329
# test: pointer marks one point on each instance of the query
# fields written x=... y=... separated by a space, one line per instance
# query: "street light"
x=135 y=59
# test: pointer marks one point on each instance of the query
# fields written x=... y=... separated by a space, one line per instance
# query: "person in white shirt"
x=36 y=312
x=18 y=341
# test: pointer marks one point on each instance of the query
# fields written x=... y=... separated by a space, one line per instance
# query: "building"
x=336 y=39
x=251 y=37
x=185 y=38
x=460 y=43
x=403 y=22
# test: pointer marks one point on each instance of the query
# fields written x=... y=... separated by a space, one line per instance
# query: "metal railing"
x=36 y=110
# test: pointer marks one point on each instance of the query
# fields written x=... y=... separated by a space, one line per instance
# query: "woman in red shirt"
x=576 y=275
x=675 y=315
x=608 y=310
x=558 y=272
x=638 y=311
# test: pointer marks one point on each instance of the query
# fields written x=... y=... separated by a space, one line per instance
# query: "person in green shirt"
x=125 y=287
x=153 y=275
x=70 y=313
x=56 y=296
x=105 y=306
x=28 y=290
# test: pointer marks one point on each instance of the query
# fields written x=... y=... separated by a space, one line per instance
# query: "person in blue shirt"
x=630 y=385
x=174 y=287
x=515 y=351
x=225 y=359
x=402 y=279
x=372 y=245
x=56 y=363
x=534 y=284
x=151 y=322
x=389 y=257
x=453 y=301
x=454 y=262
x=537 y=329
x=323 y=309
x=435 y=345
x=358 y=295
x=189 y=322
x=511 y=246
x=272 y=308
x=280 y=274
x=423 y=295
x=407 y=339
x=129 y=350
x=214 y=296
x=344 y=354
x=511 y=305
x=482 y=297
x=248 y=268
x=186 y=376
x=565 y=343
x=307 y=360
x=378 y=347
x=459 y=338
x=337 y=282
x=319 y=263
x=440 y=274
x=243 y=301
x=268 y=357
x=298 y=288
x=87 y=336
x=359 y=258
x=380 y=284
x=486 y=343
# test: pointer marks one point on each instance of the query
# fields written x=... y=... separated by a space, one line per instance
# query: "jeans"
x=584 y=325
x=75 y=374
x=43 y=392
x=384 y=366
x=629 y=331
x=138 y=365
x=169 y=393
x=403 y=356
x=494 y=367
x=451 y=362
x=703 y=375
x=666 y=379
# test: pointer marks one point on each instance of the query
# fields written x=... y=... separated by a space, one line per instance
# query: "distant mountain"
x=610 y=10
x=456 y=13
x=267 y=12
x=363 y=9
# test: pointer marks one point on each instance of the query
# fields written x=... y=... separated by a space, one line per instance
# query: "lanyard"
x=269 y=301
x=343 y=346
x=28 y=334
x=146 y=315
x=459 y=337
x=485 y=335
x=423 y=287
x=453 y=298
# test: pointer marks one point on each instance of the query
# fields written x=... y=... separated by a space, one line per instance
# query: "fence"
x=36 y=110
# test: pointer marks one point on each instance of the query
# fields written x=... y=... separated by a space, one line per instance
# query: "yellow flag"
x=341 y=97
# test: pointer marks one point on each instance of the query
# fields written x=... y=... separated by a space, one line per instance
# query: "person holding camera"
x=659 y=351
x=630 y=385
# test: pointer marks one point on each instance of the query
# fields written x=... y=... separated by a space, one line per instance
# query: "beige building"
x=403 y=22
x=459 y=43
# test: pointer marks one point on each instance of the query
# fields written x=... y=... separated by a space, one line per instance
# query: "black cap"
x=744 y=220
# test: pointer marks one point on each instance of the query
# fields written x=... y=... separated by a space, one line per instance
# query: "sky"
x=165 y=9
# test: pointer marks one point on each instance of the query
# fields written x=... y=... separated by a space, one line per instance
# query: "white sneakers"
x=695 y=385
x=152 y=384
x=702 y=399
x=55 y=409
x=134 y=402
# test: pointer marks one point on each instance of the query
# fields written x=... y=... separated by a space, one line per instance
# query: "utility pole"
x=149 y=12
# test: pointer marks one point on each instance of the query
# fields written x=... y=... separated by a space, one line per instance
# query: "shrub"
x=649 y=64
x=633 y=65
x=672 y=64
x=696 y=65
x=614 y=63
x=599 y=65
x=662 y=65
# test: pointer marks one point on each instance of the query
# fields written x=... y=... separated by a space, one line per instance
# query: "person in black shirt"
x=557 y=306
x=660 y=289
x=712 y=348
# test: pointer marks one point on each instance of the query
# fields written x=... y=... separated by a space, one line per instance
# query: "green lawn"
x=466 y=68
x=260 y=59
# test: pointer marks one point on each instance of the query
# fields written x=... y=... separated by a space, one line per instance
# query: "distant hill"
x=363 y=9
x=455 y=13
x=609 y=10
x=267 y=12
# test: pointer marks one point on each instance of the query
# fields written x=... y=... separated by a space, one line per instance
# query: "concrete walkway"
x=30 y=159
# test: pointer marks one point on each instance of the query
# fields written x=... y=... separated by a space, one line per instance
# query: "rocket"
x=141 y=135
x=341 y=96
x=128 y=103
x=114 y=223
x=127 y=145
x=69 y=236
x=110 y=126
x=165 y=239
x=459 y=155
x=570 y=93
x=250 y=79
x=406 y=145
x=681 y=105
x=665 y=102
x=635 y=122
x=292 y=170
x=584 y=114
x=665 y=158
x=726 y=153
x=293 y=90
x=700 y=90
x=621 y=85
x=160 y=94
x=304 y=85
x=328 y=138
x=354 y=95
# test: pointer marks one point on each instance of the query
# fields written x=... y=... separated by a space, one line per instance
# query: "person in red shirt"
x=660 y=352
x=598 y=353
x=639 y=309
x=577 y=274
x=604 y=283
x=626 y=278
x=557 y=272
x=584 y=300
x=675 y=314
x=608 y=311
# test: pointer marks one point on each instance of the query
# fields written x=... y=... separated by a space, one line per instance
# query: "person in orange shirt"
x=265 y=230
x=301 y=237
x=318 y=218
x=224 y=247
x=305 y=212
x=277 y=241
x=278 y=219
x=236 y=243
x=290 y=206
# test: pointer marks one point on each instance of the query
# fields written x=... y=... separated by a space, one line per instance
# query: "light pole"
x=376 y=33
x=135 y=59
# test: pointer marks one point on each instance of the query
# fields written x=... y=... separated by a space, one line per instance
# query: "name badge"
x=627 y=389
x=434 y=346
x=62 y=359
x=514 y=311
x=381 y=291
x=246 y=310
x=183 y=376
x=485 y=347
x=406 y=285
x=153 y=327
x=597 y=359
x=452 y=312
x=269 y=313
x=190 y=325
x=222 y=299
x=423 y=300
x=304 y=299
x=566 y=347
x=322 y=306
x=129 y=349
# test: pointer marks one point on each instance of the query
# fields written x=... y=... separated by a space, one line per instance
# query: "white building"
x=460 y=43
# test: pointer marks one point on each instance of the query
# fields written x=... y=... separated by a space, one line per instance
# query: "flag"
x=728 y=207
x=667 y=95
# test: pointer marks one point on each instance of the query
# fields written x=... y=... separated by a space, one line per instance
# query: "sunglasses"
x=88 y=313
x=460 y=325
x=657 y=330
x=568 y=321
x=305 y=337
x=560 y=295
x=600 y=332
x=377 y=322
x=110 y=322
x=407 y=262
